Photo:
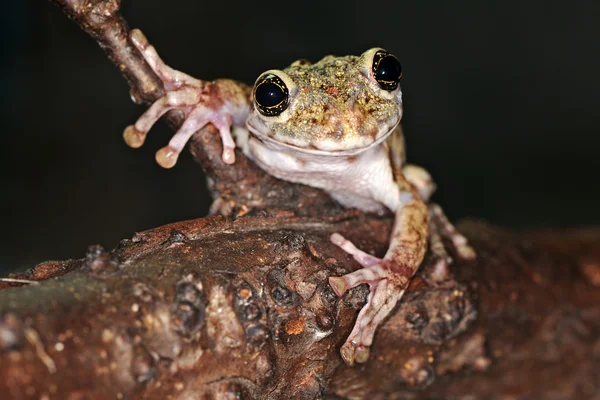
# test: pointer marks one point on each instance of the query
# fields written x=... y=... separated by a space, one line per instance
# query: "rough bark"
x=240 y=306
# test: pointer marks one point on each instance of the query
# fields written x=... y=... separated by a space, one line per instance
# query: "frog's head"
x=339 y=105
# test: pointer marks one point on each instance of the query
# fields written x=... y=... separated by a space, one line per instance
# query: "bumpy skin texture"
x=339 y=132
x=335 y=106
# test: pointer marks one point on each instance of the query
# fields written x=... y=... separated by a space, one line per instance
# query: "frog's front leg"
x=221 y=102
x=387 y=278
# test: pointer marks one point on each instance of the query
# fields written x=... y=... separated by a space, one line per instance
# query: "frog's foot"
x=386 y=289
x=440 y=271
x=199 y=101
x=443 y=228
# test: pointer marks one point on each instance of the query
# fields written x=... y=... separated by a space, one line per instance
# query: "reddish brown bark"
x=220 y=308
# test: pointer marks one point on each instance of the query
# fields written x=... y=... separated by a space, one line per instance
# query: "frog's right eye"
x=271 y=95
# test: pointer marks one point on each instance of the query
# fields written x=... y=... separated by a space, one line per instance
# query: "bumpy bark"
x=221 y=307
x=240 y=307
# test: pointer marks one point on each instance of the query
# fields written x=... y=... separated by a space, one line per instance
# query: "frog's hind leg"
x=441 y=260
x=439 y=226
x=446 y=230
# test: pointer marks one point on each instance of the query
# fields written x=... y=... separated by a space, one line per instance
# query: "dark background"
x=501 y=106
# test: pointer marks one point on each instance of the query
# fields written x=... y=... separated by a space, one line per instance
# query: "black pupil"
x=269 y=94
x=389 y=69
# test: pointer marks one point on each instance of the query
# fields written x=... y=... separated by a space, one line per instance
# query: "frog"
x=334 y=125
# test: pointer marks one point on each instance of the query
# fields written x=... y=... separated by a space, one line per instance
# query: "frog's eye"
x=271 y=95
x=386 y=70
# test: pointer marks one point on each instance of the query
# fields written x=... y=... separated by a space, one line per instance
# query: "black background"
x=501 y=106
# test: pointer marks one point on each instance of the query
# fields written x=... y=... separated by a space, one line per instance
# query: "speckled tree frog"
x=334 y=125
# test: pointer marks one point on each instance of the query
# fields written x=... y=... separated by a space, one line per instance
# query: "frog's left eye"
x=271 y=95
x=387 y=70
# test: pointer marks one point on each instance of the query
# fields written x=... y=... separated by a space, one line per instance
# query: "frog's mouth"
x=265 y=135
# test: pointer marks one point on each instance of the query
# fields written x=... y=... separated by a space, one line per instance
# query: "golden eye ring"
x=271 y=95
x=386 y=70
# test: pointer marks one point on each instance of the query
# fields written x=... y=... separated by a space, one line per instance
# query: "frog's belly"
x=364 y=181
